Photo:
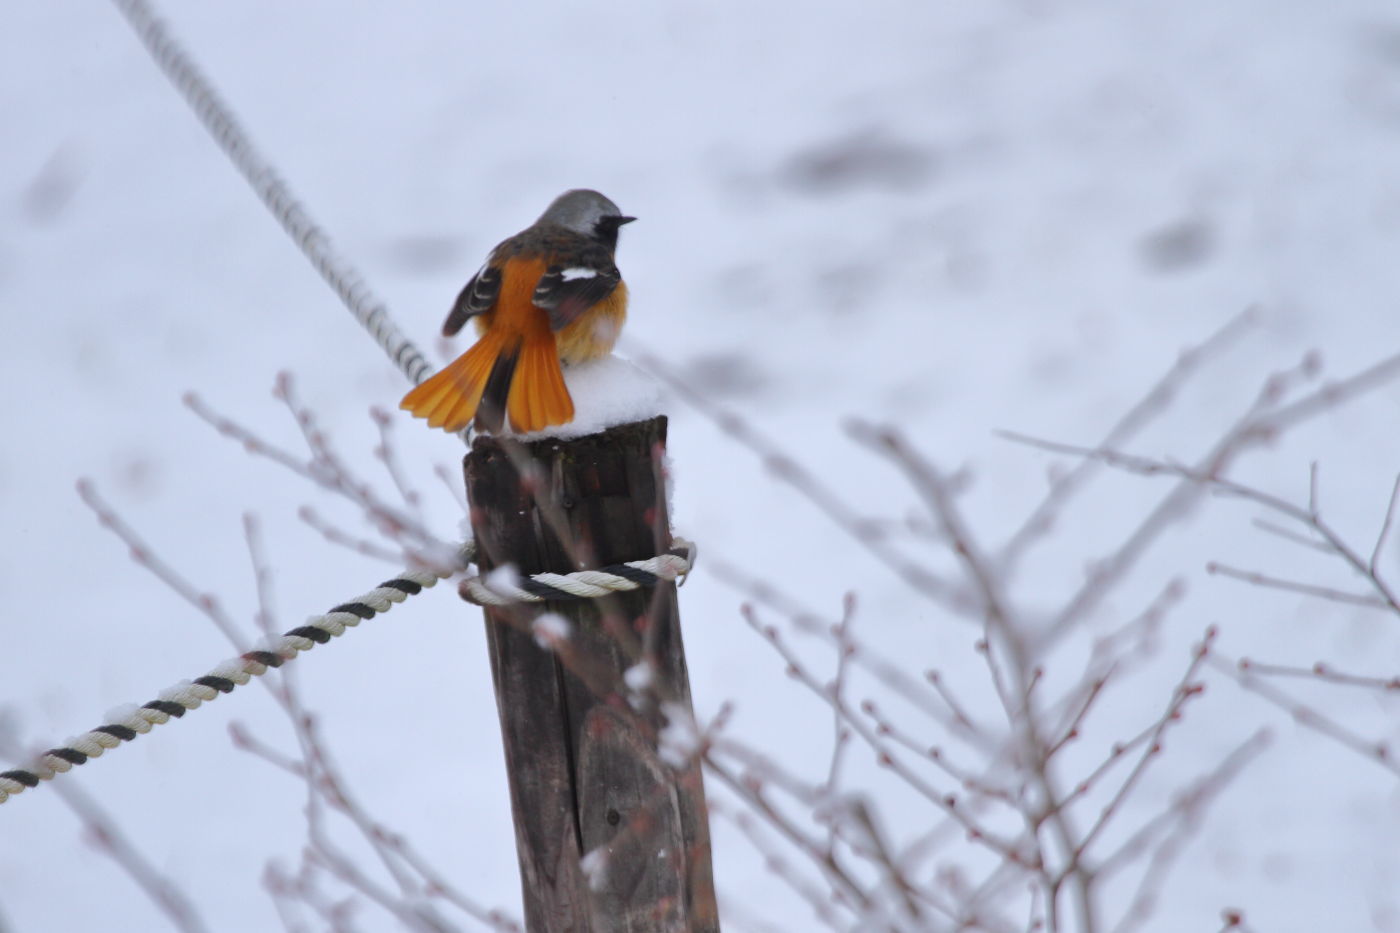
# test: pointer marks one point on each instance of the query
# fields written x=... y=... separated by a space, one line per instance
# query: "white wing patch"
x=576 y=273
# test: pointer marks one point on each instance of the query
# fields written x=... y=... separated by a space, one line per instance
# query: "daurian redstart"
x=549 y=296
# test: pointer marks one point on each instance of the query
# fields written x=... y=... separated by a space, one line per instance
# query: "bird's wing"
x=477 y=297
x=566 y=291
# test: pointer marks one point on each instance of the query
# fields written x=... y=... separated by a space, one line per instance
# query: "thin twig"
x=1310 y=516
x=142 y=553
x=1001 y=631
x=828 y=502
x=818 y=899
x=1329 y=593
x=851 y=892
x=1063 y=488
x=1185 y=690
x=104 y=833
x=1385 y=527
x=453 y=482
x=765 y=592
x=387 y=453
x=1307 y=717
x=1332 y=394
x=341 y=538
x=885 y=756
x=841 y=733
x=1262 y=422
x=265 y=617
x=1176 y=825
x=1321 y=672
x=327 y=470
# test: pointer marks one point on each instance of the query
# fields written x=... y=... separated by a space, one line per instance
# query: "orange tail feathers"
x=449 y=398
x=524 y=381
x=538 y=397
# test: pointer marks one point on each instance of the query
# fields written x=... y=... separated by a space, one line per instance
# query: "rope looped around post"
x=497 y=590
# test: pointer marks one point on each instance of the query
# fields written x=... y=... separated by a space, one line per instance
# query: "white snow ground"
x=956 y=217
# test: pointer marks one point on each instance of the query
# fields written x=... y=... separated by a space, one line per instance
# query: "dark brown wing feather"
x=477 y=297
x=565 y=292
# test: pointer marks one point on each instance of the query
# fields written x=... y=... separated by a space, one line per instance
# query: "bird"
x=548 y=297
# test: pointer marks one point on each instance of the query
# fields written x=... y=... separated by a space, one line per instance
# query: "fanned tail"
x=450 y=397
x=500 y=376
x=538 y=397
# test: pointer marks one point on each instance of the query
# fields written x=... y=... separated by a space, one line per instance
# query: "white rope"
x=125 y=723
x=496 y=590
x=219 y=120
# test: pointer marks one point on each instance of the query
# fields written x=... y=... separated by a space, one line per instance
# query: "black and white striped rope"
x=219 y=120
x=125 y=724
x=497 y=589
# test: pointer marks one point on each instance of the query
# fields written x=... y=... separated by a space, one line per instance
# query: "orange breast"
x=596 y=329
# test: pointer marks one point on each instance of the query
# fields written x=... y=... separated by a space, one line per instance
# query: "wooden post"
x=584 y=772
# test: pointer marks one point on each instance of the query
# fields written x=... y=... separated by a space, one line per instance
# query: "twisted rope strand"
x=174 y=701
x=218 y=119
x=582 y=584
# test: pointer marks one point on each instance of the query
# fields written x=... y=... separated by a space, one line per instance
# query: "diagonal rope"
x=172 y=703
x=219 y=120
x=497 y=589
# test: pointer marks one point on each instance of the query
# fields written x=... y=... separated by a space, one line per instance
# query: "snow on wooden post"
x=580 y=743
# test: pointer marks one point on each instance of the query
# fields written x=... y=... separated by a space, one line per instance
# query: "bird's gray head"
x=585 y=211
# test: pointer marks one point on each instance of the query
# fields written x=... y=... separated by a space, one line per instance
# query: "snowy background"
x=956 y=217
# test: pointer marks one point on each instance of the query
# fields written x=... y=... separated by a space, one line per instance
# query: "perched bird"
x=549 y=295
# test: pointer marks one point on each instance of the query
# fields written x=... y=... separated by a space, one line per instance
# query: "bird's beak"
x=625 y=220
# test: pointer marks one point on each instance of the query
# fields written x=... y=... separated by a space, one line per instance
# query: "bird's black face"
x=605 y=230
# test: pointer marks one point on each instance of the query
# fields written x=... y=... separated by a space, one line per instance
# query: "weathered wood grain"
x=583 y=769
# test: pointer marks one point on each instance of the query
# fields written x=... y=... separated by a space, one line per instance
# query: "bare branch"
x=102 y=830
x=1331 y=594
x=1264 y=420
x=1185 y=690
x=1310 y=517
x=849 y=892
x=1332 y=394
x=817 y=898
x=142 y=553
x=326 y=469
x=387 y=453
x=885 y=756
x=1307 y=717
x=265 y=618
x=107 y=837
x=1288 y=535
x=341 y=538
x=1175 y=825
x=1063 y=488
x=1014 y=687
x=828 y=502
x=1321 y=672
x=766 y=593
x=1385 y=528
